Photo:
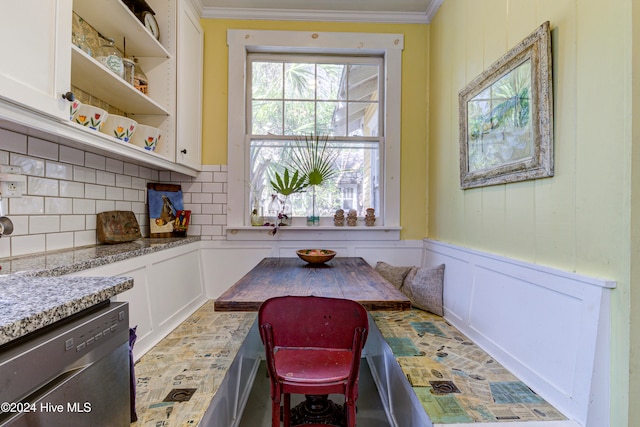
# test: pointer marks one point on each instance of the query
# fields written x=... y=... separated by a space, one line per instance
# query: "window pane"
x=329 y=117
x=363 y=83
x=355 y=186
x=266 y=80
x=300 y=81
x=330 y=81
x=299 y=117
x=266 y=117
x=363 y=119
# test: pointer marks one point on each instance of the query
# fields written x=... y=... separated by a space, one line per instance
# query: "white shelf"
x=86 y=72
x=112 y=18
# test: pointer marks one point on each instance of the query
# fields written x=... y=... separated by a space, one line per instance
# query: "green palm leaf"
x=288 y=184
x=314 y=160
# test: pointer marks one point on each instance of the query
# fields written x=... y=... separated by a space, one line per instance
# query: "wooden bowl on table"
x=316 y=256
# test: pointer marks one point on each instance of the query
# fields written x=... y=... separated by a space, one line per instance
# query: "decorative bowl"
x=146 y=137
x=316 y=256
x=73 y=108
x=90 y=116
x=119 y=127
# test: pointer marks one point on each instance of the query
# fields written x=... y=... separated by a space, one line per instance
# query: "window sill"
x=322 y=232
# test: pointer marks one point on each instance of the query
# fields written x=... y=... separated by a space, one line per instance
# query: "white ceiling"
x=401 y=11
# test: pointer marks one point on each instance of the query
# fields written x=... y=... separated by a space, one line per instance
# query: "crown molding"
x=323 y=15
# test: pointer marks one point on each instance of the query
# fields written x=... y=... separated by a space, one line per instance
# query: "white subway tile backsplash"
x=66 y=187
x=93 y=191
x=84 y=206
x=58 y=206
x=219 y=177
x=211 y=208
x=40 y=224
x=115 y=166
x=192 y=187
x=131 y=195
x=58 y=170
x=5 y=247
x=29 y=165
x=131 y=169
x=219 y=219
x=37 y=186
x=123 y=206
x=201 y=198
x=26 y=205
x=56 y=241
x=212 y=187
x=94 y=161
x=30 y=244
x=84 y=238
x=13 y=141
x=114 y=193
x=20 y=225
x=40 y=148
x=138 y=184
x=90 y=222
x=72 y=222
x=71 y=155
x=82 y=174
x=71 y=189
x=105 y=178
x=105 y=205
x=204 y=177
x=123 y=181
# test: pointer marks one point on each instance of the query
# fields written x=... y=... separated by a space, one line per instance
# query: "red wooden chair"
x=313 y=346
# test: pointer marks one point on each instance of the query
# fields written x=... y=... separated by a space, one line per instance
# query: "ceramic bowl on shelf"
x=119 y=127
x=316 y=256
x=73 y=108
x=90 y=116
x=146 y=137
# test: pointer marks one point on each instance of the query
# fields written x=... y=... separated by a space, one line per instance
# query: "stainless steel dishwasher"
x=72 y=373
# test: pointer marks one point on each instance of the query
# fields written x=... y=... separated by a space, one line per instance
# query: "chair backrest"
x=308 y=321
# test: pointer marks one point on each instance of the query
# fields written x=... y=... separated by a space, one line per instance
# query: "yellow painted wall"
x=414 y=102
x=579 y=220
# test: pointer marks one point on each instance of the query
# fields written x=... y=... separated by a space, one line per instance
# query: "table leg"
x=318 y=409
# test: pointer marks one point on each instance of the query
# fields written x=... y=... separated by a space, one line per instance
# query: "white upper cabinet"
x=35 y=40
x=40 y=64
x=189 y=93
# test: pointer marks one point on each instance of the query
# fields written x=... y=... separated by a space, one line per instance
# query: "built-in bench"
x=421 y=364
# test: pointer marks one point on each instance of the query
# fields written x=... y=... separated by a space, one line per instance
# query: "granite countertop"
x=68 y=261
x=30 y=303
x=33 y=294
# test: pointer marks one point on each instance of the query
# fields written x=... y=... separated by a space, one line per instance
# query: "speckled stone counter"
x=30 y=303
x=67 y=261
x=33 y=295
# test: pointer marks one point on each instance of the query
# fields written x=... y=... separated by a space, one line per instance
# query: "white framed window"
x=265 y=120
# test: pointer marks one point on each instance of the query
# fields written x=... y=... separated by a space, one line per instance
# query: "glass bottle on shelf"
x=110 y=56
x=129 y=70
x=140 y=80
x=81 y=42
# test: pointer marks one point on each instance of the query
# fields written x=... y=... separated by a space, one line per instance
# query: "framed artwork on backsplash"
x=506 y=117
x=165 y=206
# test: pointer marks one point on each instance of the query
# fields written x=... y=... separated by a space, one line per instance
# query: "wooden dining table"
x=346 y=277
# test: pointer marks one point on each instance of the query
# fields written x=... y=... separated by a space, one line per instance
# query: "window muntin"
x=291 y=96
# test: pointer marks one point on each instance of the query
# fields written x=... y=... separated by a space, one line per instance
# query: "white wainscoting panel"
x=549 y=327
x=225 y=262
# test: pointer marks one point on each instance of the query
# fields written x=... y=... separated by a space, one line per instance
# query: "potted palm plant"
x=310 y=165
x=315 y=161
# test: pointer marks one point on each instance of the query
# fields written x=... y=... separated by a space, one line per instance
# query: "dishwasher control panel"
x=99 y=328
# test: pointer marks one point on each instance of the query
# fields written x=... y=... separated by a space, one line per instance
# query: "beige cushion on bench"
x=424 y=288
x=393 y=274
